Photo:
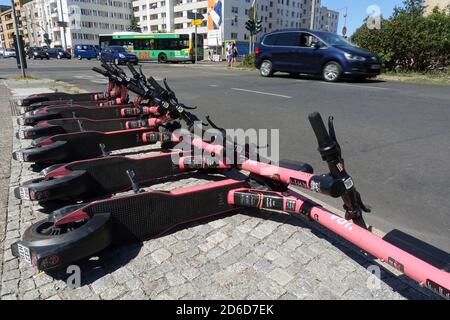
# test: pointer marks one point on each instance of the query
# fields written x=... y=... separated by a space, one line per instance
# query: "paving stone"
x=161 y=255
x=216 y=237
x=280 y=276
x=10 y=286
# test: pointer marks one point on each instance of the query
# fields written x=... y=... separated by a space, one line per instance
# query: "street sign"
x=197 y=22
x=61 y=24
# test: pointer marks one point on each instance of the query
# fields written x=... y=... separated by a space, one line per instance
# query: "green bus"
x=161 y=47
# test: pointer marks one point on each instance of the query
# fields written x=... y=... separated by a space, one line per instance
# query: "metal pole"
x=19 y=43
x=195 y=45
x=313 y=14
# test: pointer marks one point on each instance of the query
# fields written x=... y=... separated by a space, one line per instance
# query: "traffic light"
x=258 y=26
x=250 y=26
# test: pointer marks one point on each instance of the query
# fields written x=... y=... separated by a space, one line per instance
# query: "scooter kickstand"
x=131 y=174
x=80 y=125
x=103 y=149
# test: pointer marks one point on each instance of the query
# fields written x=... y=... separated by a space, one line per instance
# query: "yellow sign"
x=197 y=22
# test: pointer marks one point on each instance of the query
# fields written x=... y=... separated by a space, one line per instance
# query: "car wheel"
x=48 y=58
x=266 y=68
x=79 y=57
x=162 y=58
x=42 y=58
x=58 y=57
x=135 y=63
x=332 y=72
x=117 y=61
x=34 y=58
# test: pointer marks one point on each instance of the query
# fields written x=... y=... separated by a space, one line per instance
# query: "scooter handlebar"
x=323 y=138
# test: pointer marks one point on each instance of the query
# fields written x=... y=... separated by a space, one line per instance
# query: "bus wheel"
x=162 y=58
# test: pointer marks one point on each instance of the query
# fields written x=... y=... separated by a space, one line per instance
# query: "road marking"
x=354 y=85
x=102 y=81
x=213 y=85
x=264 y=93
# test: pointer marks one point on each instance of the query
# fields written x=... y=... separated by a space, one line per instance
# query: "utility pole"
x=18 y=40
x=313 y=14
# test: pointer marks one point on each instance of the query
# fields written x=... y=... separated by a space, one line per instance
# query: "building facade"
x=431 y=4
x=7 y=31
x=84 y=20
x=225 y=19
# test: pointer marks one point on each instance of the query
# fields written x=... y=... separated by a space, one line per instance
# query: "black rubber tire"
x=73 y=242
x=338 y=73
x=79 y=57
x=266 y=69
x=162 y=58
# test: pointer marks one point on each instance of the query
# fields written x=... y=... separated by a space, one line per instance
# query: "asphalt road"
x=394 y=136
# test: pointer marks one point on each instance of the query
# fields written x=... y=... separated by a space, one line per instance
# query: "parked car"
x=118 y=55
x=85 y=51
x=37 y=53
x=9 y=52
x=58 y=53
x=314 y=52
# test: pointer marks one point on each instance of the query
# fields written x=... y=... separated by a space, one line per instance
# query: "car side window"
x=269 y=40
x=307 y=40
x=287 y=39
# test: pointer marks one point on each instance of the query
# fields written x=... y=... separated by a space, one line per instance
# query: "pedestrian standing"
x=234 y=54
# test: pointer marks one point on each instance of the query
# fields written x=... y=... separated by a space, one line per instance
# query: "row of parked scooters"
x=74 y=135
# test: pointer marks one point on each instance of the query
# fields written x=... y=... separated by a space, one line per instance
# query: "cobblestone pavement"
x=250 y=255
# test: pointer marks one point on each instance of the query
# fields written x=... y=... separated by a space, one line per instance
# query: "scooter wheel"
x=48 y=246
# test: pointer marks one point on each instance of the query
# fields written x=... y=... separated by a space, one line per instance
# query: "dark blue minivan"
x=303 y=51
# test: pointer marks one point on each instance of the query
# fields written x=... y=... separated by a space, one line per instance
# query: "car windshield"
x=118 y=49
x=333 y=39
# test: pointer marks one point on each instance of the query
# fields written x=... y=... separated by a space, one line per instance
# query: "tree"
x=409 y=40
x=134 y=25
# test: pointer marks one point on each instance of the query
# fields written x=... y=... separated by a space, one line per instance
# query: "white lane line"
x=355 y=86
x=102 y=81
x=213 y=85
x=264 y=93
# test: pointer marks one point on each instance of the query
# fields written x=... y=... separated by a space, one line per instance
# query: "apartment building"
x=328 y=20
x=431 y=4
x=6 y=27
x=7 y=31
x=85 y=20
x=225 y=19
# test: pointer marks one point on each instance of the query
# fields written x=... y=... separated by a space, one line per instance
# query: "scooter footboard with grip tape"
x=71 y=125
x=98 y=177
x=80 y=231
x=52 y=96
x=80 y=145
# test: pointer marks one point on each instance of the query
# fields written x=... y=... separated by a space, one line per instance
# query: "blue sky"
x=356 y=10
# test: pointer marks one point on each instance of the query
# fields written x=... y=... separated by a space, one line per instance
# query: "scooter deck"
x=79 y=145
x=41 y=97
x=147 y=215
x=70 y=125
x=94 y=113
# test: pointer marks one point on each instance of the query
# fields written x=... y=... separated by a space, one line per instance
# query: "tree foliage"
x=409 y=40
x=134 y=25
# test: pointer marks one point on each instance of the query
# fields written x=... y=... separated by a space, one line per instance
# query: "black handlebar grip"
x=102 y=72
x=323 y=138
x=136 y=89
x=155 y=84
x=133 y=70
